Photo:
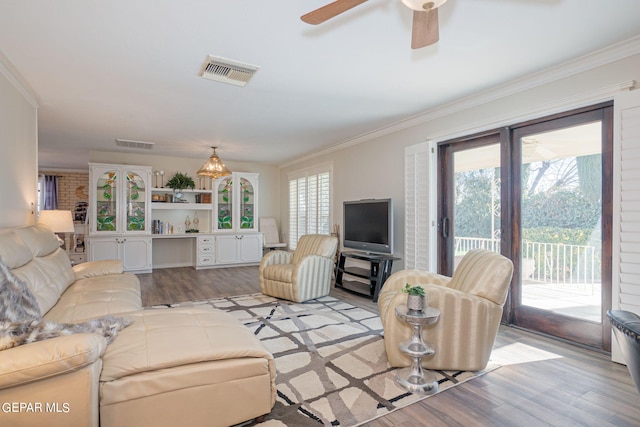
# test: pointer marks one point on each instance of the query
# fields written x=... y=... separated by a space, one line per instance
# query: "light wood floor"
x=542 y=382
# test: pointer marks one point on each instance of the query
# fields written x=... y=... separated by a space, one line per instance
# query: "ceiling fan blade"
x=329 y=11
x=425 y=28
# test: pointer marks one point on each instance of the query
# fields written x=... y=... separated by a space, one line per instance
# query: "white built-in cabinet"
x=238 y=248
x=235 y=219
x=205 y=251
x=223 y=250
x=127 y=215
x=119 y=215
x=135 y=252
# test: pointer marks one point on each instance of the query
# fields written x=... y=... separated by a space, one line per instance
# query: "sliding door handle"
x=444 y=227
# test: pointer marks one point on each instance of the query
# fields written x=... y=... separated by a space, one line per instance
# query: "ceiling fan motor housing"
x=422 y=5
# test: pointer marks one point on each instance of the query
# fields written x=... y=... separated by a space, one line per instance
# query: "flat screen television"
x=368 y=225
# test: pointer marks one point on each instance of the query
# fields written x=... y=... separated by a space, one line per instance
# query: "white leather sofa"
x=174 y=366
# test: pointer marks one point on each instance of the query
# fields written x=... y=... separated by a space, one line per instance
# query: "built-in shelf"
x=178 y=235
x=183 y=206
x=186 y=190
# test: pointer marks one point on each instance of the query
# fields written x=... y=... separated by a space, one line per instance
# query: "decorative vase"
x=415 y=302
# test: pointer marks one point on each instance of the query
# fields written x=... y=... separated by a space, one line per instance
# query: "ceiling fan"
x=425 y=18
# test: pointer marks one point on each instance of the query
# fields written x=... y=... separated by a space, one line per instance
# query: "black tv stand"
x=378 y=272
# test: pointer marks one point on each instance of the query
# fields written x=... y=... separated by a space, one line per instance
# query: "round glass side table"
x=414 y=379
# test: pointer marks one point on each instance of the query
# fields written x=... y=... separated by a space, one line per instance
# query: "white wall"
x=19 y=147
x=373 y=168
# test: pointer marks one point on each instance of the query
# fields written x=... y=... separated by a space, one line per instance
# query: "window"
x=309 y=203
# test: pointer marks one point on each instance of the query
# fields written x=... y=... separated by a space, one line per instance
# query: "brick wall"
x=72 y=187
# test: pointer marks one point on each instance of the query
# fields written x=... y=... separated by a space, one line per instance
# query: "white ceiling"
x=128 y=69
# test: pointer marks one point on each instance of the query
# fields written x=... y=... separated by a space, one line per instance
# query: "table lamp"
x=59 y=221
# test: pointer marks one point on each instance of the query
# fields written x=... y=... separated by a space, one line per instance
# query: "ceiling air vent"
x=139 y=145
x=227 y=71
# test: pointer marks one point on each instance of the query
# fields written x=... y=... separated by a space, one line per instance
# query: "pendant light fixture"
x=214 y=168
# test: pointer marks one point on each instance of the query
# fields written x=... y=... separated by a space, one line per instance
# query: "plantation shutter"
x=323 y=202
x=296 y=211
x=626 y=207
x=309 y=203
x=419 y=238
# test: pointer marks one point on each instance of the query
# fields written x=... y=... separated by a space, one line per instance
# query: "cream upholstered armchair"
x=302 y=275
x=470 y=305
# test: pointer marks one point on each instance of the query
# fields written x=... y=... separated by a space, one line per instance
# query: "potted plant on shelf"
x=179 y=182
x=416 y=297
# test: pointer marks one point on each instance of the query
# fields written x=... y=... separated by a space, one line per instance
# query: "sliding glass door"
x=563 y=247
x=470 y=216
x=539 y=193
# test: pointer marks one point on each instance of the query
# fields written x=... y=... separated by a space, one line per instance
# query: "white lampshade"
x=59 y=221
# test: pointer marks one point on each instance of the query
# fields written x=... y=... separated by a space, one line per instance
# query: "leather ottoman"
x=185 y=366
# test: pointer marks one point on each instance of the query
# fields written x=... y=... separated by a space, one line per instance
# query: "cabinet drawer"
x=205 y=249
x=205 y=260
x=77 y=258
x=205 y=240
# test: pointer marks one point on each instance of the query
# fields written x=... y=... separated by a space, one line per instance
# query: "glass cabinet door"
x=236 y=202
x=246 y=204
x=135 y=199
x=225 y=204
x=107 y=201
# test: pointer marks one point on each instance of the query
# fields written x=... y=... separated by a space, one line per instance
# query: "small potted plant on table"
x=416 y=297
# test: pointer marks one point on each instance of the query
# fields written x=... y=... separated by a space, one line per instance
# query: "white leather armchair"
x=470 y=305
x=302 y=275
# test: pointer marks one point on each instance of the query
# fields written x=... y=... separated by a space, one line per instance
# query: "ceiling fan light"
x=213 y=167
x=422 y=5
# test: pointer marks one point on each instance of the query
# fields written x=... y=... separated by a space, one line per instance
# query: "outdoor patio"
x=577 y=300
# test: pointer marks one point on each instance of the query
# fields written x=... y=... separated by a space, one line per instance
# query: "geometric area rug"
x=331 y=364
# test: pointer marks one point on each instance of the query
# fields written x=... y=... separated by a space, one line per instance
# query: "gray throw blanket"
x=21 y=321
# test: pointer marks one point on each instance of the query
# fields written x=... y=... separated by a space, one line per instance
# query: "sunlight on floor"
x=517 y=353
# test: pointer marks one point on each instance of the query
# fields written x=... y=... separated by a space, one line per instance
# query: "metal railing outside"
x=577 y=266
x=561 y=263
x=466 y=244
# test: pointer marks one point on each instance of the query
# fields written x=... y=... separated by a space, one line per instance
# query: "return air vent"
x=139 y=145
x=227 y=71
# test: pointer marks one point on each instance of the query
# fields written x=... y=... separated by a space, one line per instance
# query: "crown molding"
x=17 y=81
x=569 y=68
x=45 y=170
x=583 y=99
